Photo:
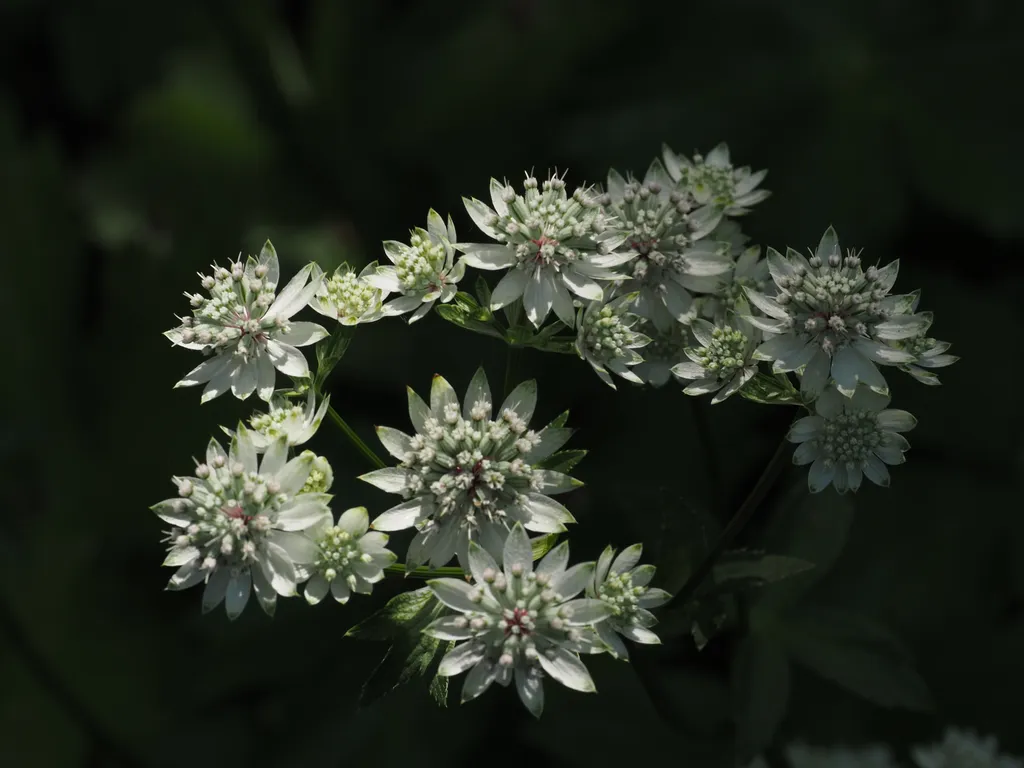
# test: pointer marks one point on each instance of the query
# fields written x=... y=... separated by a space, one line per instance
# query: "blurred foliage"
x=141 y=141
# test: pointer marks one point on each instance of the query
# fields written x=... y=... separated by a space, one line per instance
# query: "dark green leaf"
x=771 y=390
x=519 y=334
x=330 y=351
x=467 y=301
x=744 y=569
x=543 y=544
x=460 y=317
x=562 y=461
x=439 y=685
x=559 y=421
x=483 y=292
x=760 y=683
x=400 y=612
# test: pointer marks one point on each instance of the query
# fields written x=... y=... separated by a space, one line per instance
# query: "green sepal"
x=562 y=461
x=330 y=351
x=462 y=316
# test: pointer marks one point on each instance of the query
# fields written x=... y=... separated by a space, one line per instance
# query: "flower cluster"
x=723 y=362
x=605 y=338
x=349 y=557
x=347 y=297
x=468 y=476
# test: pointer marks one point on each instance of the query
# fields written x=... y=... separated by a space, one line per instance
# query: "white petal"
x=490 y=256
x=517 y=552
x=287 y=359
x=566 y=667
x=237 y=594
x=400 y=517
x=510 y=288
x=554 y=561
x=573 y=581
x=216 y=588
x=301 y=334
x=388 y=479
x=355 y=521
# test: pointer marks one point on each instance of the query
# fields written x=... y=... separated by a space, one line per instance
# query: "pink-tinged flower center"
x=643 y=247
x=519 y=623
x=236 y=513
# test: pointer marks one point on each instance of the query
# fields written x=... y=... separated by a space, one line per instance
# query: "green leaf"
x=542 y=545
x=483 y=292
x=562 y=461
x=771 y=390
x=858 y=655
x=399 y=612
x=330 y=351
x=466 y=301
x=744 y=569
x=439 y=685
x=520 y=335
x=458 y=315
x=559 y=421
x=760 y=683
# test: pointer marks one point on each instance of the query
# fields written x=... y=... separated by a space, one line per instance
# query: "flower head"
x=286 y=418
x=349 y=298
x=928 y=353
x=665 y=350
x=964 y=749
x=556 y=246
x=605 y=338
x=514 y=622
x=466 y=475
x=622 y=585
x=235 y=524
x=321 y=476
x=349 y=557
x=423 y=271
x=724 y=360
x=666 y=239
x=245 y=329
x=713 y=181
x=850 y=438
x=832 y=317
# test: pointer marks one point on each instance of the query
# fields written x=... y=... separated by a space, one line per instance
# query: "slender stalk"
x=425 y=573
x=356 y=440
x=735 y=525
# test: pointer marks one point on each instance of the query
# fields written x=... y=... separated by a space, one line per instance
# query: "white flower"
x=321 y=476
x=831 y=318
x=723 y=363
x=236 y=525
x=246 y=329
x=666 y=239
x=712 y=181
x=850 y=438
x=556 y=245
x=423 y=272
x=349 y=298
x=349 y=557
x=296 y=423
x=872 y=756
x=665 y=350
x=964 y=749
x=620 y=583
x=927 y=352
x=466 y=475
x=605 y=338
x=517 y=623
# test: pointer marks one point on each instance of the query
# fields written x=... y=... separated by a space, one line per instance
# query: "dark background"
x=139 y=141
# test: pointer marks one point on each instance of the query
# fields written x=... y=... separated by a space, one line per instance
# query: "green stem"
x=356 y=440
x=423 y=572
x=735 y=525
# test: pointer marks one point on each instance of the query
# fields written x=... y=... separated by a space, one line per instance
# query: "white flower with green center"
x=349 y=298
x=321 y=476
x=349 y=557
x=294 y=422
x=517 y=623
x=557 y=246
x=928 y=353
x=671 y=259
x=665 y=350
x=605 y=338
x=723 y=362
x=712 y=181
x=622 y=585
x=872 y=756
x=424 y=271
x=849 y=439
x=466 y=475
x=246 y=330
x=237 y=523
x=832 y=318
x=964 y=749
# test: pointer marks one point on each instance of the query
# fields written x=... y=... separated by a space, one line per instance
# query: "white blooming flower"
x=831 y=318
x=237 y=522
x=424 y=271
x=347 y=297
x=871 y=756
x=321 y=476
x=723 y=362
x=286 y=418
x=349 y=557
x=466 y=475
x=620 y=583
x=605 y=338
x=928 y=353
x=850 y=438
x=246 y=330
x=519 y=623
x=665 y=350
x=964 y=749
x=666 y=239
x=712 y=181
x=557 y=246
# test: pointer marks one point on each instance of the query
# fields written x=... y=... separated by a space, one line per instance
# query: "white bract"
x=850 y=438
x=424 y=271
x=832 y=318
x=349 y=557
x=666 y=237
x=723 y=362
x=928 y=353
x=964 y=749
x=605 y=338
x=557 y=246
x=749 y=270
x=514 y=622
x=466 y=475
x=237 y=523
x=712 y=181
x=347 y=297
x=247 y=331
x=288 y=419
x=622 y=585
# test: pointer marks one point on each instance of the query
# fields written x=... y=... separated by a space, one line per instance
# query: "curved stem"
x=356 y=440
x=736 y=524
x=423 y=572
